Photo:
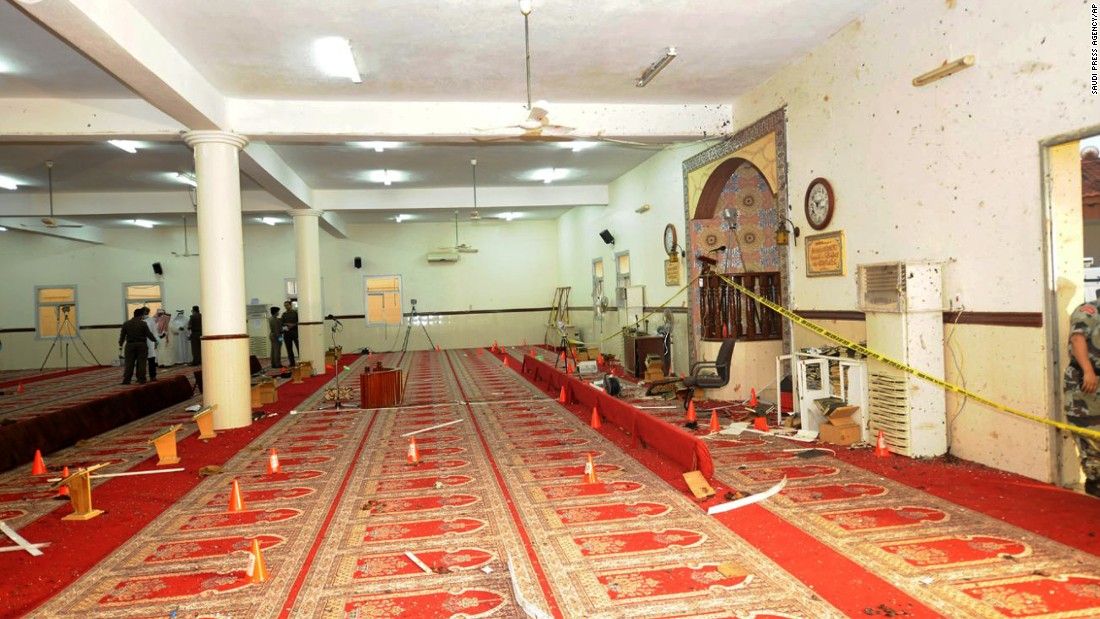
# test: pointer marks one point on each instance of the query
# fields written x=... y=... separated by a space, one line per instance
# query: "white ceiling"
x=413 y=53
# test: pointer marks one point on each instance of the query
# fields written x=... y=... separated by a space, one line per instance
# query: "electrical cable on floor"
x=962 y=378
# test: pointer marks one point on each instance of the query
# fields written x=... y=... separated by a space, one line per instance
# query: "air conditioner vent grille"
x=881 y=287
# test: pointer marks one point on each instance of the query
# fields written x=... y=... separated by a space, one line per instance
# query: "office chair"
x=700 y=380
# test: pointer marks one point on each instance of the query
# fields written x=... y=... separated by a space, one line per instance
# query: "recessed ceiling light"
x=143 y=223
x=402 y=217
x=185 y=177
x=8 y=183
x=3 y=229
x=510 y=216
x=387 y=177
x=549 y=175
x=271 y=221
x=129 y=146
x=334 y=57
x=378 y=147
x=577 y=147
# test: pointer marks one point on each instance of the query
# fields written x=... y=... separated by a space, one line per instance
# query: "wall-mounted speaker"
x=157 y=268
x=358 y=262
x=607 y=238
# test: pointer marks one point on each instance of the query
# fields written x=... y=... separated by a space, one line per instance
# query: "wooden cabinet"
x=636 y=346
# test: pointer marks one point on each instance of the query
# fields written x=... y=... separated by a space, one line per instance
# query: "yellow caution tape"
x=863 y=350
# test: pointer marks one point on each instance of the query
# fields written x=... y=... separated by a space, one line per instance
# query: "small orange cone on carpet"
x=273 y=465
x=562 y=397
x=563 y=356
x=256 y=570
x=63 y=491
x=19 y=389
x=752 y=398
x=715 y=425
x=590 y=472
x=570 y=368
x=532 y=351
x=480 y=351
x=880 y=445
x=505 y=360
x=691 y=413
x=600 y=360
x=595 y=422
x=39 y=466
x=438 y=349
x=760 y=423
x=370 y=355
x=414 y=453
x=496 y=347
x=236 y=503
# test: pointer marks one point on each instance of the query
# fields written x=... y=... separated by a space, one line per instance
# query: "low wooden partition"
x=686 y=450
x=62 y=428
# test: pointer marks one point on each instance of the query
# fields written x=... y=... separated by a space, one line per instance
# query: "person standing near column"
x=182 y=340
x=290 y=331
x=132 y=339
x=164 y=354
x=1079 y=391
x=194 y=325
x=275 y=337
x=151 y=345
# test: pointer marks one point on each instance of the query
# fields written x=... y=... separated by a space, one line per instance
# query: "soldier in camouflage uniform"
x=1082 y=400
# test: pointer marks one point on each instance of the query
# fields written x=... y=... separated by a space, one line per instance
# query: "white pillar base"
x=226 y=381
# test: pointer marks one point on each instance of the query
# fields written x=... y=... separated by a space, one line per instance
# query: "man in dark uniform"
x=195 y=326
x=1079 y=389
x=290 y=331
x=134 y=340
x=275 y=337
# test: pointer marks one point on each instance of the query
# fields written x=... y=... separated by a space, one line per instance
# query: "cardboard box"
x=264 y=393
x=841 y=426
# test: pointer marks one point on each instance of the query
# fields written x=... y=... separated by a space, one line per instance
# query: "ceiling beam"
x=390 y=199
x=44 y=120
x=116 y=36
x=262 y=164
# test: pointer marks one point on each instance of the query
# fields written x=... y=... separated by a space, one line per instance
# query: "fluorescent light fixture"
x=129 y=146
x=948 y=68
x=387 y=177
x=5 y=66
x=577 y=147
x=655 y=68
x=525 y=7
x=271 y=221
x=3 y=229
x=8 y=183
x=402 y=217
x=143 y=223
x=333 y=56
x=510 y=216
x=550 y=175
x=378 y=147
x=184 y=177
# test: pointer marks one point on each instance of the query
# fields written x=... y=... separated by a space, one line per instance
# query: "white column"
x=311 y=333
x=225 y=375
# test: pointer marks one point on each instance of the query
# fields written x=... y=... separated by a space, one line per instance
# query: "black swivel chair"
x=721 y=377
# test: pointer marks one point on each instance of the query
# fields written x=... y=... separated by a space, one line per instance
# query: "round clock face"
x=670 y=239
x=819 y=204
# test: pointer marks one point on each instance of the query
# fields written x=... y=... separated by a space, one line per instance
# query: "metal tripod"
x=64 y=323
x=408 y=329
x=338 y=402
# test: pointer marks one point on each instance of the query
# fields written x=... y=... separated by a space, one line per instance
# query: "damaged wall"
x=947 y=172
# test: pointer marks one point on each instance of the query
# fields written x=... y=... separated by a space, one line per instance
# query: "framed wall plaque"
x=825 y=254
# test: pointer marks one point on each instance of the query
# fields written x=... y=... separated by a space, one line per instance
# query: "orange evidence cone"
x=256 y=570
x=563 y=398
x=505 y=360
x=590 y=472
x=438 y=349
x=236 y=503
x=480 y=351
x=715 y=425
x=600 y=360
x=370 y=355
x=752 y=398
x=63 y=491
x=19 y=389
x=532 y=351
x=691 y=413
x=273 y=465
x=496 y=347
x=880 y=445
x=760 y=423
x=414 y=453
x=595 y=422
x=39 y=466
x=570 y=368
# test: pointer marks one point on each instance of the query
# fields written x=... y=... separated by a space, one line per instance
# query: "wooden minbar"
x=379 y=386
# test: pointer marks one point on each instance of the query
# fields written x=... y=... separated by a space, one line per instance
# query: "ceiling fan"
x=186 y=252
x=537 y=126
x=463 y=248
x=50 y=222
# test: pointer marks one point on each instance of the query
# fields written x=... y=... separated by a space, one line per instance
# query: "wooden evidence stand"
x=263 y=392
x=379 y=386
x=165 y=442
x=205 y=420
x=80 y=493
x=301 y=371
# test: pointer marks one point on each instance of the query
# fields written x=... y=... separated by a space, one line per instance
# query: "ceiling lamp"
x=509 y=216
x=655 y=68
x=947 y=68
x=386 y=177
x=129 y=146
x=8 y=183
x=378 y=147
x=271 y=221
x=142 y=223
x=401 y=218
x=473 y=169
x=550 y=175
x=3 y=229
x=334 y=58
x=186 y=178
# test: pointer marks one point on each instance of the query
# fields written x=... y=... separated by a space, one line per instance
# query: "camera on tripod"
x=65 y=308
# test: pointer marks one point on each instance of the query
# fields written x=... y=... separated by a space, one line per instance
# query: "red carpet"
x=49 y=374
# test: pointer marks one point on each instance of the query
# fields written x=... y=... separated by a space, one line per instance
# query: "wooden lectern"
x=80 y=493
x=205 y=420
x=301 y=371
x=165 y=442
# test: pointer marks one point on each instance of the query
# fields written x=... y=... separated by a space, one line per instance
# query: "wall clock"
x=670 y=240
x=820 y=203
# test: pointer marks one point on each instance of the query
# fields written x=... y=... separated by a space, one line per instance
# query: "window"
x=142 y=295
x=622 y=277
x=383 y=299
x=292 y=288
x=56 y=311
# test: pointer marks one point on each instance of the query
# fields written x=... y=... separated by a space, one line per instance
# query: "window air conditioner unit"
x=440 y=257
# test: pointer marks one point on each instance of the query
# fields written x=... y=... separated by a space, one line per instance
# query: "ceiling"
x=412 y=53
